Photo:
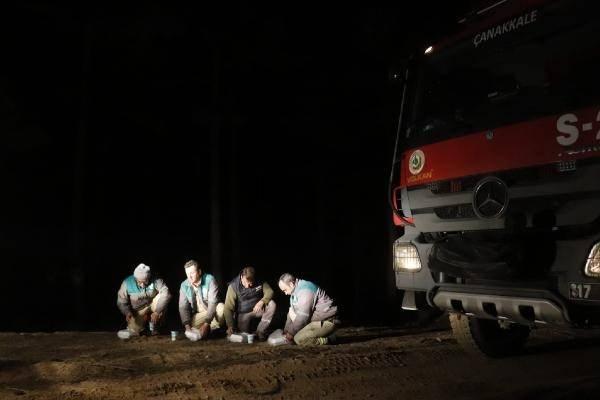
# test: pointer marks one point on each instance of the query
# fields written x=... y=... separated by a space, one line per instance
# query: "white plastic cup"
x=173 y=336
x=250 y=338
x=151 y=326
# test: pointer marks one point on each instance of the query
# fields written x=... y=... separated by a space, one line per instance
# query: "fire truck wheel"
x=487 y=337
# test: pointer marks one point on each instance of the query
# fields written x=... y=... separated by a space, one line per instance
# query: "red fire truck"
x=496 y=179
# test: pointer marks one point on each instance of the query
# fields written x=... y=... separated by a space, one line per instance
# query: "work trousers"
x=141 y=316
x=217 y=322
x=315 y=333
x=266 y=315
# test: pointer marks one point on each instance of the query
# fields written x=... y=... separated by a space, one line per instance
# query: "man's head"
x=141 y=273
x=247 y=276
x=193 y=271
x=287 y=283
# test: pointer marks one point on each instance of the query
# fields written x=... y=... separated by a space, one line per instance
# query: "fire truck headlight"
x=592 y=266
x=406 y=257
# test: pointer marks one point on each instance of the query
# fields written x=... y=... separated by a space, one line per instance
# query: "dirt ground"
x=378 y=363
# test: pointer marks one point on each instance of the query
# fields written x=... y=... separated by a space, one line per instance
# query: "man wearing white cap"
x=142 y=299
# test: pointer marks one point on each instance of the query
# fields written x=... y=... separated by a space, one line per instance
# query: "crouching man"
x=142 y=300
x=249 y=301
x=312 y=317
x=198 y=302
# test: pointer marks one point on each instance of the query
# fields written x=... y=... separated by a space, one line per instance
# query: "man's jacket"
x=208 y=293
x=132 y=297
x=242 y=300
x=308 y=303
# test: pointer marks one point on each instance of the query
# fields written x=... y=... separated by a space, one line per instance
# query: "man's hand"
x=259 y=306
x=204 y=330
x=288 y=336
x=128 y=316
x=146 y=316
x=229 y=331
x=155 y=317
x=188 y=327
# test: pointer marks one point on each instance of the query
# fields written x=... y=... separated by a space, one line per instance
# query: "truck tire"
x=481 y=337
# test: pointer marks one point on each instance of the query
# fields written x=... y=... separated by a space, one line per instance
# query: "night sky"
x=157 y=134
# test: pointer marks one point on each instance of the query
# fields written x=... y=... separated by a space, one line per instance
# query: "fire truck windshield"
x=544 y=70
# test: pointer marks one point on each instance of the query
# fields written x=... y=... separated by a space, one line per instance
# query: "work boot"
x=321 y=341
x=332 y=339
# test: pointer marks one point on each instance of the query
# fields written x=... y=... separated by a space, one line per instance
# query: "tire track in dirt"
x=339 y=364
x=269 y=377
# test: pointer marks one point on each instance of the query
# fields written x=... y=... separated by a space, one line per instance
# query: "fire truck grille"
x=453 y=186
x=455 y=212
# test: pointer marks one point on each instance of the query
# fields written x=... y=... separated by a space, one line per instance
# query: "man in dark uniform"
x=248 y=300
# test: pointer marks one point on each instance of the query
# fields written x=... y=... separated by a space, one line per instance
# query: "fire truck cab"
x=496 y=178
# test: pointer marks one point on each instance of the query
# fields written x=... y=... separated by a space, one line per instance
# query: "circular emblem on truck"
x=490 y=198
x=416 y=162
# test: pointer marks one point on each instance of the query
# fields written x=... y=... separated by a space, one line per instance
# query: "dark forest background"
x=157 y=134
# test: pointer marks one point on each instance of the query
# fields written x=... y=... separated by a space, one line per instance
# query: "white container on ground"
x=236 y=338
x=193 y=334
x=241 y=338
x=277 y=339
x=124 y=334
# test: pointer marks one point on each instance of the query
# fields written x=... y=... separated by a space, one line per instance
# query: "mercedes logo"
x=490 y=198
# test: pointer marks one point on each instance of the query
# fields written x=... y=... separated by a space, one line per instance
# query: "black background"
x=237 y=136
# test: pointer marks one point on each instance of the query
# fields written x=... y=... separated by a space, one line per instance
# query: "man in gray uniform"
x=246 y=301
x=199 y=306
x=312 y=317
x=142 y=299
